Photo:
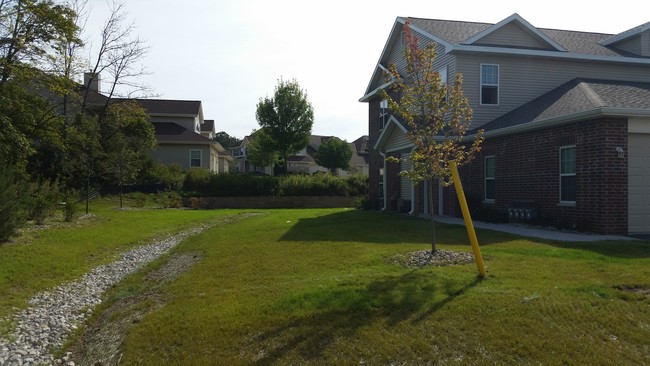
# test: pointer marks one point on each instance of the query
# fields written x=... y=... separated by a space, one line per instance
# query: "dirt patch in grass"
x=635 y=289
x=101 y=342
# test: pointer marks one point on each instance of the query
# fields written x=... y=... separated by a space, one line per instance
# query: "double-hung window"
x=490 y=177
x=195 y=158
x=568 y=174
x=489 y=84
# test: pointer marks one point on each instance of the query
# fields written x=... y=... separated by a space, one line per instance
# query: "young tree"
x=438 y=116
x=127 y=137
x=334 y=154
x=287 y=119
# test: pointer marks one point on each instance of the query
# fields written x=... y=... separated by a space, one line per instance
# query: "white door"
x=638 y=183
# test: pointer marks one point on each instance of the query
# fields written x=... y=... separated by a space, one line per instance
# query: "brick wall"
x=527 y=169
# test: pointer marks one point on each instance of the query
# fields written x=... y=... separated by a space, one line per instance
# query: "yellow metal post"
x=468 y=219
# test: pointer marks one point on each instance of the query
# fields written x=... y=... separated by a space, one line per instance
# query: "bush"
x=11 y=205
x=169 y=199
x=70 y=207
x=171 y=176
x=139 y=199
x=43 y=200
x=197 y=180
x=203 y=183
x=358 y=185
x=314 y=185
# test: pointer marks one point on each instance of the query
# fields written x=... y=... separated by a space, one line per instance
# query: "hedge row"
x=201 y=183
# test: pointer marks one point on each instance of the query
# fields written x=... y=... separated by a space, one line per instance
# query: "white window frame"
x=200 y=158
x=443 y=75
x=486 y=178
x=566 y=174
x=497 y=85
x=383 y=114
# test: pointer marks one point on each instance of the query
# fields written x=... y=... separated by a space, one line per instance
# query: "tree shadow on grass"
x=381 y=228
x=338 y=313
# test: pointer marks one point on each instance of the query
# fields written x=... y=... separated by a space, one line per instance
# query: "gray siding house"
x=566 y=116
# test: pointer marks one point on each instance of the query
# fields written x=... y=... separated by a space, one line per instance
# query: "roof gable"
x=625 y=35
x=514 y=31
x=391 y=132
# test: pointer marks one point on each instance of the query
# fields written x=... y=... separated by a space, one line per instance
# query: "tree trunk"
x=433 y=223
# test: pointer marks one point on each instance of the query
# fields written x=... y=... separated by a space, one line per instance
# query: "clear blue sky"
x=229 y=53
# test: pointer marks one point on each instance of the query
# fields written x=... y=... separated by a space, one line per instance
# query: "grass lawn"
x=315 y=287
x=44 y=257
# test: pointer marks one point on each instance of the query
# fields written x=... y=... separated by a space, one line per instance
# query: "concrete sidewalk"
x=533 y=232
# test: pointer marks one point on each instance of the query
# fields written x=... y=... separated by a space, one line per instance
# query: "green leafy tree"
x=30 y=91
x=127 y=137
x=261 y=152
x=226 y=140
x=438 y=116
x=12 y=207
x=334 y=154
x=287 y=119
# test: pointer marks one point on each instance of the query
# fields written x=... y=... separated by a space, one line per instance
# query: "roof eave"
x=551 y=54
x=625 y=35
x=551 y=122
x=368 y=96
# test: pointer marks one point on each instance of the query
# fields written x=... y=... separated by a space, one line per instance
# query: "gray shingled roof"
x=577 y=96
x=456 y=32
x=167 y=106
x=169 y=132
x=208 y=125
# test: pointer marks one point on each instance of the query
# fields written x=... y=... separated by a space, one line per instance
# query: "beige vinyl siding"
x=513 y=35
x=180 y=154
x=522 y=79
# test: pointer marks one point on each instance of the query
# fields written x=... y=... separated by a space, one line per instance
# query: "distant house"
x=304 y=161
x=184 y=137
x=566 y=116
x=241 y=163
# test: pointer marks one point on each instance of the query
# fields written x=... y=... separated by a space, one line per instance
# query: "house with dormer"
x=184 y=137
x=566 y=120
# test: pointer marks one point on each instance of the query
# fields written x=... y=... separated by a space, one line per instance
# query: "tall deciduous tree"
x=117 y=57
x=287 y=119
x=438 y=116
x=226 y=140
x=334 y=154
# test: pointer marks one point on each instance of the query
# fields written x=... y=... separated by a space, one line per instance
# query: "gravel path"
x=53 y=315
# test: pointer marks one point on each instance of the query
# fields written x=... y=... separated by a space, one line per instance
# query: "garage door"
x=638 y=183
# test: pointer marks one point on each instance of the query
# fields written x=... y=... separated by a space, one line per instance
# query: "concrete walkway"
x=533 y=232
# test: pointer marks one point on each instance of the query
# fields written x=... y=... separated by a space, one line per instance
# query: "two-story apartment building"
x=566 y=116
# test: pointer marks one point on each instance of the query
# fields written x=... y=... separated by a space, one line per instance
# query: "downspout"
x=383 y=178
